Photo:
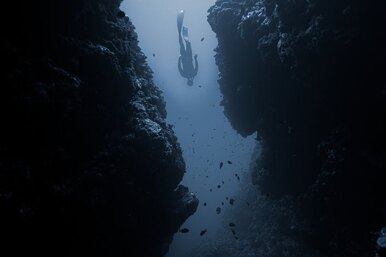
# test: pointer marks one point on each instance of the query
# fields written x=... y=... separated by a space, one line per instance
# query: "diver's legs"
x=185 y=34
x=182 y=46
x=188 y=49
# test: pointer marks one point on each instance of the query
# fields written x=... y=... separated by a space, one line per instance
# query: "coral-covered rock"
x=88 y=165
x=307 y=76
x=381 y=243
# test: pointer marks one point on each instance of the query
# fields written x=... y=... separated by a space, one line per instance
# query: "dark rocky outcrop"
x=308 y=77
x=381 y=243
x=88 y=165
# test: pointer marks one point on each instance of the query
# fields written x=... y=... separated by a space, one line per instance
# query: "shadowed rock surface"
x=88 y=165
x=308 y=77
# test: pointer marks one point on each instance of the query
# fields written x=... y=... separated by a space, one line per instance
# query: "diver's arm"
x=180 y=66
x=196 y=65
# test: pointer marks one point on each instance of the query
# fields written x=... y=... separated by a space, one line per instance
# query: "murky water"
x=206 y=136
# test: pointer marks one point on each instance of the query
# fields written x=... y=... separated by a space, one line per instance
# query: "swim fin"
x=180 y=20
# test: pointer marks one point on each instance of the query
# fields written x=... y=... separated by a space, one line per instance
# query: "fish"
x=231 y=201
x=202 y=39
x=229 y=162
x=154 y=55
x=232 y=224
x=218 y=210
x=184 y=230
x=221 y=164
x=202 y=232
x=218 y=186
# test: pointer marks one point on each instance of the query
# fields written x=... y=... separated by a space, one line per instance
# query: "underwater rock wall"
x=308 y=77
x=88 y=165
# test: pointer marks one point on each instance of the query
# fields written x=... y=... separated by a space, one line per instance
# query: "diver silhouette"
x=185 y=61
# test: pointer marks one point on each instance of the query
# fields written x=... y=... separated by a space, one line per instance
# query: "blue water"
x=204 y=133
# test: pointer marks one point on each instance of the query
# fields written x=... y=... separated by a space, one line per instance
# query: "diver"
x=185 y=61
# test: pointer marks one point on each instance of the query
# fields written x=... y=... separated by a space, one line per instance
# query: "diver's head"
x=190 y=82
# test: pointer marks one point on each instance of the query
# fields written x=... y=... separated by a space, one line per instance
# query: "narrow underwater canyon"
x=89 y=166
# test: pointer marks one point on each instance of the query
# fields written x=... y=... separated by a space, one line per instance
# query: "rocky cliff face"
x=308 y=77
x=88 y=165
